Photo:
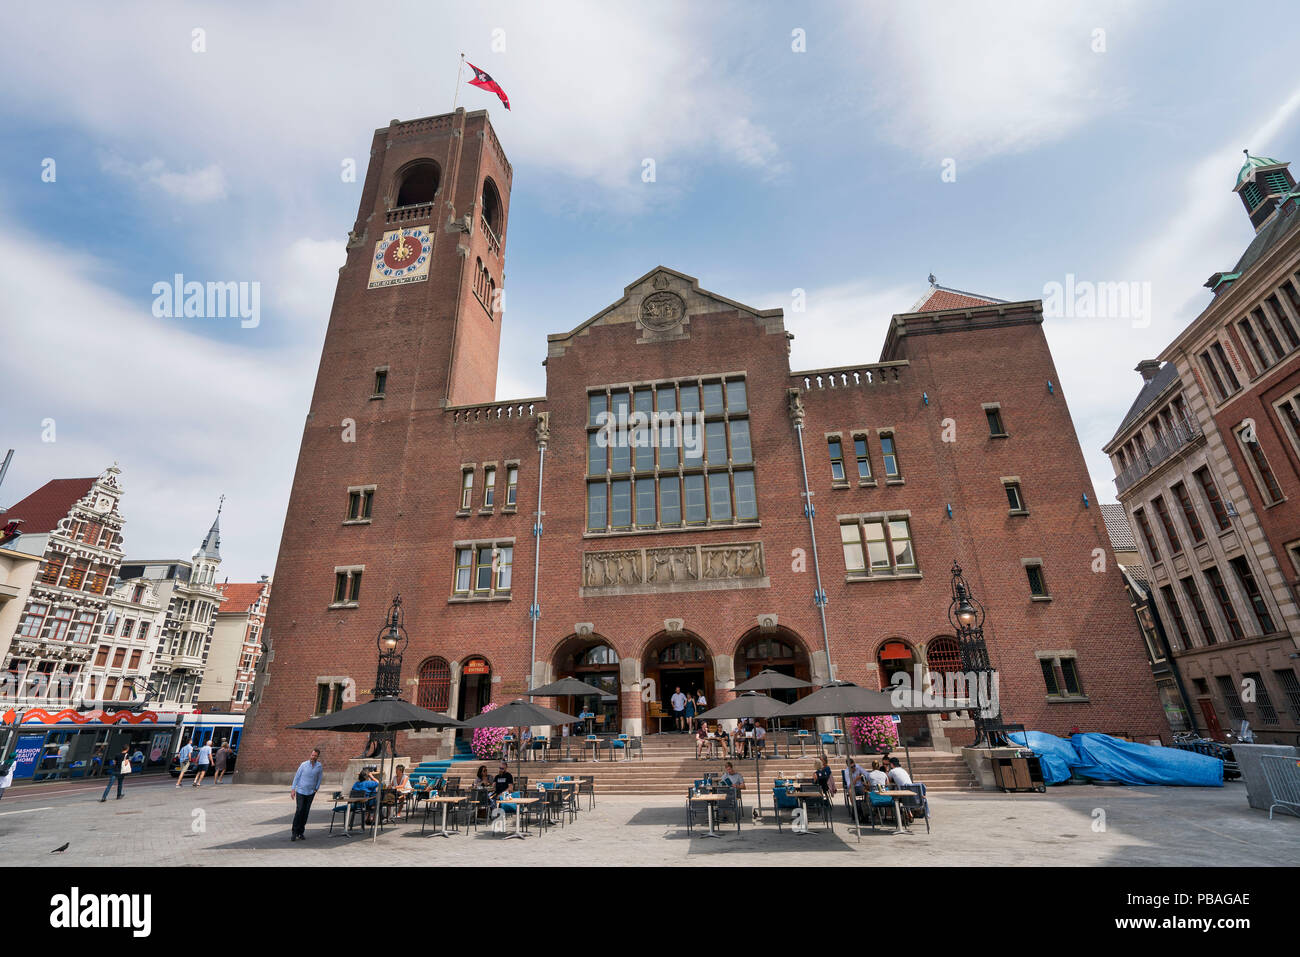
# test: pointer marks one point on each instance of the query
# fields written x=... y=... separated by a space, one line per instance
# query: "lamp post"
x=966 y=614
x=391 y=642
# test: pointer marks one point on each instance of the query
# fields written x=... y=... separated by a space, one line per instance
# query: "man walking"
x=183 y=759
x=678 y=702
x=205 y=762
x=306 y=782
x=118 y=767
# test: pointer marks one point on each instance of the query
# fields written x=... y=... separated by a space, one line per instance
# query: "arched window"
x=598 y=655
x=492 y=207
x=769 y=648
x=943 y=655
x=434 y=689
x=681 y=651
x=419 y=184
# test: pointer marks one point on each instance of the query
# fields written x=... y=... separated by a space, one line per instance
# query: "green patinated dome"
x=1255 y=163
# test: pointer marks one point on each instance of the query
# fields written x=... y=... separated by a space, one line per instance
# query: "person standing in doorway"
x=118 y=767
x=205 y=762
x=306 y=782
x=678 y=702
x=183 y=761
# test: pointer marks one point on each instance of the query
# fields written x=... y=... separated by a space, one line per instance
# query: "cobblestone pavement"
x=158 y=824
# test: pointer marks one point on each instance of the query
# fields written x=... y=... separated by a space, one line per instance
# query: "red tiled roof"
x=240 y=596
x=42 y=510
x=939 y=299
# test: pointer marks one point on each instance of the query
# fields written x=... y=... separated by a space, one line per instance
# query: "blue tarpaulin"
x=1055 y=754
x=1104 y=758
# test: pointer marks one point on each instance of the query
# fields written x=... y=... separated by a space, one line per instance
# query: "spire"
x=211 y=547
x=1264 y=185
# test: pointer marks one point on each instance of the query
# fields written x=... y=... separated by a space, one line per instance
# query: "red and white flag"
x=485 y=82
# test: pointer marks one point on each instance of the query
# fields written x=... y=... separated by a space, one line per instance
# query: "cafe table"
x=898 y=814
x=711 y=800
x=518 y=803
x=445 y=800
x=803 y=797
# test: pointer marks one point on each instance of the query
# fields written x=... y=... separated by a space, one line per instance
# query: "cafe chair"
x=782 y=801
x=919 y=805
x=691 y=809
x=587 y=786
x=340 y=807
x=521 y=784
x=620 y=744
x=730 y=804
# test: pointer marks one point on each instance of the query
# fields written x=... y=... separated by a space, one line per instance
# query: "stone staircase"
x=670 y=766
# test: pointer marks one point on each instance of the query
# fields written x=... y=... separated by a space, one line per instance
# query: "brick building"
x=1208 y=465
x=688 y=561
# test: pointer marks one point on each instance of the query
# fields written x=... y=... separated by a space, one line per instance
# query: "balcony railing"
x=1172 y=441
x=494 y=244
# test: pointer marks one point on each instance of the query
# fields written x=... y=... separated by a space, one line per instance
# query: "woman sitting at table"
x=482 y=779
x=366 y=785
x=825 y=780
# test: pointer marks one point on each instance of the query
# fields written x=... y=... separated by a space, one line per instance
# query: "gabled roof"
x=240 y=596
x=939 y=298
x=1255 y=164
x=1161 y=381
x=1118 y=528
x=42 y=510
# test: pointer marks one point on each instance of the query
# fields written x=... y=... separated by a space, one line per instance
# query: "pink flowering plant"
x=487 y=741
x=874 y=734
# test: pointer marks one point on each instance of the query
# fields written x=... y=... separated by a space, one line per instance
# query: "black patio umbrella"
x=517 y=714
x=750 y=704
x=844 y=699
x=769 y=680
x=379 y=715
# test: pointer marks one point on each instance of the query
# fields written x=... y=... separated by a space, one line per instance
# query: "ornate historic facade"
x=681 y=509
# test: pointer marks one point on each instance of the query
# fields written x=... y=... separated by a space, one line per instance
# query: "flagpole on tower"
x=459 y=70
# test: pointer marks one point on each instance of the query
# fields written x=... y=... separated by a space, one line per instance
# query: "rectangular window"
x=119 y=656
x=1253 y=594
x=512 y=485
x=715 y=443
x=645 y=502
x=464 y=569
x=1037 y=582
x=996 y=428
x=620 y=454
x=1265 y=480
x=489 y=486
x=483 y=568
x=1211 y=493
x=736 y=398
x=597 y=405
x=1290 y=684
x=620 y=499
x=1070 y=675
x=77 y=574
x=597 y=517
x=329 y=696
x=1231 y=699
x=1061 y=676
x=719 y=497
x=690 y=393
x=53 y=570
x=101 y=656
x=746 y=500
x=713 y=398
x=1014 y=498
x=1263 y=701
x=696 y=507
x=900 y=539
x=466 y=489
x=670 y=500
x=1049 y=676
x=1262 y=322
x=359 y=504
x=1279 y=313
x=863 y=457
x=597 y=454
x=381 y=382
x=1229 y=376
x=890 y=456
x=1189 y=512
x=1220 y=593
x=505 y=564
x=837 y=459
x=1176 y=613
x=1247 y=330
x=877 y=549
x=135 y=659
x=741 y=454
x=1212 y=371
x=851 y=540
x=347 y=586
x=1175 y=544
x=30 y=626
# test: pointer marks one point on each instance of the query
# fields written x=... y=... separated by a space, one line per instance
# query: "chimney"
x=1148 y=369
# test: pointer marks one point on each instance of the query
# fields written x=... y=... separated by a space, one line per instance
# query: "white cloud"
x=980 y=78
x=193 y=186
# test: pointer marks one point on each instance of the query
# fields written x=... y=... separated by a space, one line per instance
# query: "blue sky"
x=775 y=170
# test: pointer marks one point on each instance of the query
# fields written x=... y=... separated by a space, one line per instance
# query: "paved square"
x=246 y=825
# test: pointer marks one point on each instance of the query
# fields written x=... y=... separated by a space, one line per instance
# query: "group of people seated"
x=749 y=734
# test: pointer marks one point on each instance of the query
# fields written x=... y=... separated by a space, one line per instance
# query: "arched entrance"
x=677 y=661
x=894 y=656
x=781 y=651
x=475 y=687
x=433 y=686
x=594 y=661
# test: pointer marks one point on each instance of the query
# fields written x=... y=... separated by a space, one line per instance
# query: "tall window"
x=994 y=415
x=1207 y=363
x=1231 y=699
x=1014 y=498
x=1220 y=593
x=863 y=458
x=1158 y=503
x=57 y=624
x=837 y=459
x=1256 y=598
x=1145 y=528
x=381 y=383
x=1247 y=329
x=33 y=618
x=890 y=455
x=433 y=690
x=1189 y=512
x=466 y=488
x=512 y=485
x=878 y=545
x=1265 y=480
x=359 y=504
x=1037 y=581
x=1176 y=613
x=489 y=486
x=1263 y=324
x=670 y=454
x=1228 y=375
x=347 y=586
x=1211 y=493
x=1263 y=701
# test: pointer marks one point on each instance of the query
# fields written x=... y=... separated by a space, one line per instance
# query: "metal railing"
x=1172 y=441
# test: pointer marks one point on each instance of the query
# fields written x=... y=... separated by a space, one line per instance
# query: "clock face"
x=402 y=256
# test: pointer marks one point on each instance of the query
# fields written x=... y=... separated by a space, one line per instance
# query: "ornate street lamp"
x=391 y=642
x=967 y=616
